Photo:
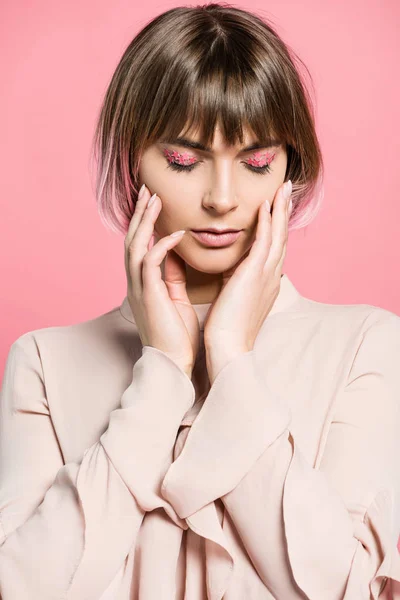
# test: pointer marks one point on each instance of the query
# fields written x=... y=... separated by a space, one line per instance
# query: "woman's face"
x=219 y=188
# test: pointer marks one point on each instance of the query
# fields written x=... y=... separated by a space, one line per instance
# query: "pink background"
x=58 y=263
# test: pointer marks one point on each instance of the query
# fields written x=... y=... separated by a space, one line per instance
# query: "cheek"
x=175 y=212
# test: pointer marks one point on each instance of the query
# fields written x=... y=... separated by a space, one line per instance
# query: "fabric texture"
x=121 y=478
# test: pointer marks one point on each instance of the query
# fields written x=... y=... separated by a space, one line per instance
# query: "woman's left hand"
x=249 y=290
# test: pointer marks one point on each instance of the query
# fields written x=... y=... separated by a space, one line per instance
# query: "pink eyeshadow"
x=258 y=159
x=261 y=159
x=182 y=158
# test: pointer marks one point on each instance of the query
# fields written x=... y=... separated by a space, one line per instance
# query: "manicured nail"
x=290 y=206
x=141 y=191
x=287 y=189
x=176 y=233
x=267 y=204
x=151 y=200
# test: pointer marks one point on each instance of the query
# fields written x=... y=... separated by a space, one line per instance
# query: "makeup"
x=258 y=163
x=180 y=158
x=216 y=240
x=261 y=159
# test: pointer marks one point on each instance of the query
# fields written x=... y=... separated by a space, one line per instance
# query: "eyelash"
x=258 y=170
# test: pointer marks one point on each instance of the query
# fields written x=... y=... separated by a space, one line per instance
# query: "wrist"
x=186 y=369
x=218 y=358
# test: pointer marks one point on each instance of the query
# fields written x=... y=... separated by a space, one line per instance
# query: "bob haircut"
x=186 y=70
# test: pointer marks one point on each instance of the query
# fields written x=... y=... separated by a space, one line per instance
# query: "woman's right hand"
x=163 y=313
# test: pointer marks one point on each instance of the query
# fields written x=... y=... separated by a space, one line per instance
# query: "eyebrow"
x=182 y=141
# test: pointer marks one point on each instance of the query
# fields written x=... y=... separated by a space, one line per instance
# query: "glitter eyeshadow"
x=261 y=159
x=258 y=159
x=181 y=158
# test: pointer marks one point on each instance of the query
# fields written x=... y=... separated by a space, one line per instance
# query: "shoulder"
x=331 y=333
x=105 y=337
x=355 y=317
x=362 y=325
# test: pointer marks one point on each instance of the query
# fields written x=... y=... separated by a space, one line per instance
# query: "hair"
x=187 y=70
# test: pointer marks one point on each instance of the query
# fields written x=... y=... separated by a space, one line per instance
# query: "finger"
x=141 y=240
x=140 y=207
x=262 y=243
x=260 y=248
x=145 y=228
x=153 y=240
x=278 y=229
x=175 y=277
x=151 y=271
x=133 y=225
x=279 y=266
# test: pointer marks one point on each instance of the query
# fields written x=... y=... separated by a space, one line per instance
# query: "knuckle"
x=131 y=249
x=148 y=258
x=128 y=249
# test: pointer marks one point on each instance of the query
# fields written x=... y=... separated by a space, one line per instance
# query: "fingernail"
x=151 y=200
x=287 y=189
x=176 y=233
x=290 y=206
x=267 y=204
x=141 y=191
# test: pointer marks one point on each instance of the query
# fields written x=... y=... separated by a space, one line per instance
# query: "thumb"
x=175 y=277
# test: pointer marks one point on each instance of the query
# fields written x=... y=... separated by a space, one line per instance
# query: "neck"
x=202 y=288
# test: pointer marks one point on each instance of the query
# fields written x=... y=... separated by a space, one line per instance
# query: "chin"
x=213 y=261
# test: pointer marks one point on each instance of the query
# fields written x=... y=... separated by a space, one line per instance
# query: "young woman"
x=217 y=435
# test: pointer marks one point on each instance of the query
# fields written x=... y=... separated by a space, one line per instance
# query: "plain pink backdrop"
x=59 y=265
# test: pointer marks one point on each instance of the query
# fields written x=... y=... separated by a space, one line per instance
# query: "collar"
x=287 y=295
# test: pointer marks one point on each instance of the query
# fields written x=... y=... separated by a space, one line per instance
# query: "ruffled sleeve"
x=323 y=531
x=66 y=529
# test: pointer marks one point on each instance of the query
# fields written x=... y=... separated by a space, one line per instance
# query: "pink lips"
x=216 y=239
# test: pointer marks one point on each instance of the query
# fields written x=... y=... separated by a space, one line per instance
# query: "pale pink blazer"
x=123 y=479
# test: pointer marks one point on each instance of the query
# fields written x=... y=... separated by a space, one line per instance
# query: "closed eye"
x=180 y=168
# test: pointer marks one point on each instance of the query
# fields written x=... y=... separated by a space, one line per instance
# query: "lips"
x=212 y=239
x=211 y=230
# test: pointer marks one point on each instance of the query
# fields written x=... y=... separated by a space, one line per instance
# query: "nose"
x=221 y=197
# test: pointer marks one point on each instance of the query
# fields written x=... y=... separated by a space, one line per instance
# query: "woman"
x=218 y=435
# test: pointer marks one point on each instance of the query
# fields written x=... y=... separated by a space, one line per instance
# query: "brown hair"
x=191 y=67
